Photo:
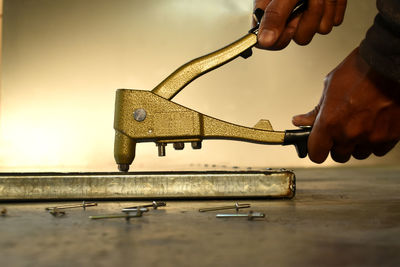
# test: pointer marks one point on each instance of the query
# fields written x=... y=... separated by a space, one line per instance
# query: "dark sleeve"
x=381 y=46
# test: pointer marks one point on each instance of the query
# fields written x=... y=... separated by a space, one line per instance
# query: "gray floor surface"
x=339 y=217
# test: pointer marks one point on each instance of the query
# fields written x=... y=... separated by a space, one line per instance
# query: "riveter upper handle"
x=181 y=77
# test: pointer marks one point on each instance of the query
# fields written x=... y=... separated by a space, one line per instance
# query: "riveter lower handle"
x=298 y=138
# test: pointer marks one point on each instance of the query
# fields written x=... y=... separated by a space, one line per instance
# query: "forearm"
x=381 y=47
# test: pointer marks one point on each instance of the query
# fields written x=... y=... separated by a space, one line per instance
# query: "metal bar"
x=148 y=185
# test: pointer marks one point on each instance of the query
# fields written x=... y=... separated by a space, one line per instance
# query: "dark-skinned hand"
x=276 y=32
x=358 y=114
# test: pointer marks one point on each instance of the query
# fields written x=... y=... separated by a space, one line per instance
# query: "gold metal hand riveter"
x=151 y=116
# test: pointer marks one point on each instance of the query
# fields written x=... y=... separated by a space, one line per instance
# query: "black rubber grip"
x=259 y=13
x=298 y=138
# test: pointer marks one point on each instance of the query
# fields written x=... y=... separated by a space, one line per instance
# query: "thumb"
x=306 y=119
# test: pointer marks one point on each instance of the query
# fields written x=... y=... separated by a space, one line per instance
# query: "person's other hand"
x=276 y=32
x=358 y=114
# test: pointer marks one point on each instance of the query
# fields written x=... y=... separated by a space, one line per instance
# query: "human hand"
x=358 y=114
x=275 y=32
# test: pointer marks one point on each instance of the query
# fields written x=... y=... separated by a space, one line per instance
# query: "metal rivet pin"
x=127 y=216
x=250 y=216
x=237 y=207
x=83 y=205
x=134 y=209
x=154 y=204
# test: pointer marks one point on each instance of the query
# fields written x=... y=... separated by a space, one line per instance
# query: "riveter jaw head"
x=124 y=151
x=142 y=116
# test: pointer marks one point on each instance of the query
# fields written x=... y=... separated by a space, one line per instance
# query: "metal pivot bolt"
x=161 y=149
x=237 y=206
x=179 y=145
x=139 y=114
x=250 y=216
x=196 y=145
x=154 y=204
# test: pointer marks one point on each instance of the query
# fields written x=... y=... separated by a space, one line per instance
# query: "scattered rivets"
x=154 y=204
x=237 y=207
x=83 y=205
x=250 y=216
x=127 y=216
x=135 y=209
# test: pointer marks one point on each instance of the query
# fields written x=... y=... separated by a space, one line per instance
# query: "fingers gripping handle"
x=299 y=139
x=299 y=8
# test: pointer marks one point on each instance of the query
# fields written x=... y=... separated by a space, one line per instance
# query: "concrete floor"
x=339 y=217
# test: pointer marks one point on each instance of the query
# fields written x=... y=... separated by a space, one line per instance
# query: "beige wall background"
x=63 y=60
